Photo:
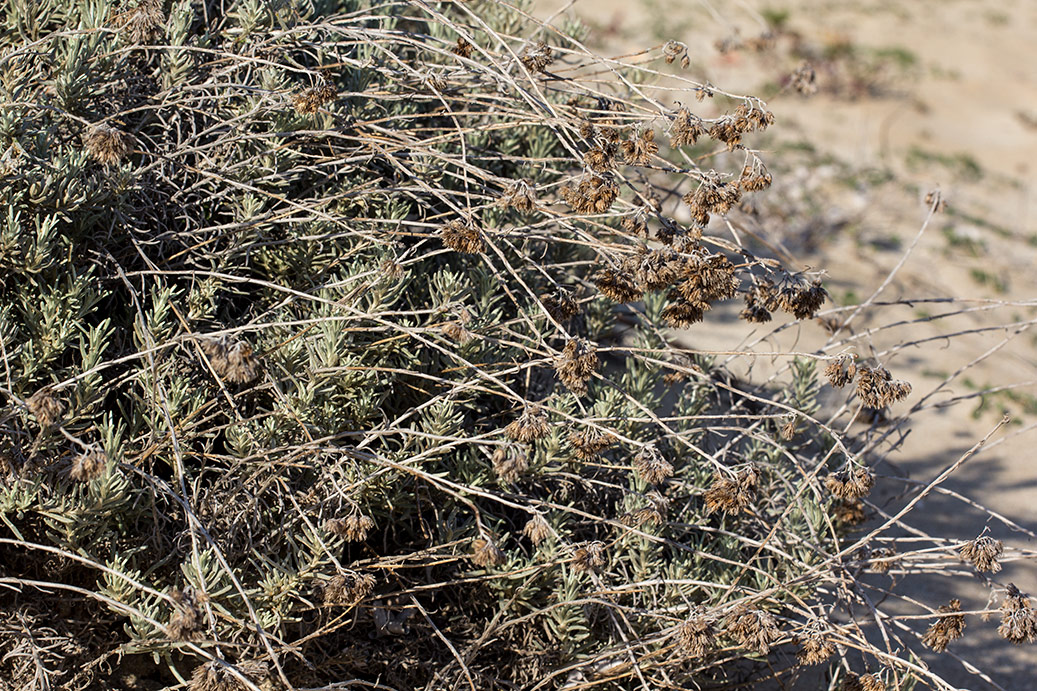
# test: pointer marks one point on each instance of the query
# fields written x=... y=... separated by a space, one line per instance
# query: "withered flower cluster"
x=804 y=79
x=462 y=237
x=346 y=589
x=231 y=359
x=520 y=195
x=686 y=129
x=485 y=553
x=529 y=426
x=732 y=495
x=841 y=371
x=309 y=101
x=877 y=387
x=463 y=48
x=45 y=407
x=88 y=465
x=984 y=552
x=593 y=194
x=815 y=641
x=588 y=443
x=188 y=617
x=617 y=286
x=537 y=57
x=851 y=483
x=754 y=629
x=509 y=463
x=696 y=634
x=590 y=557
x=139 y=23
x=651 y=466
x=865 y=682
x=713 y=195
x=352 y=528
x=946 y=628
x=672 y=50
x=212 y=676
x=1018 y=618
x=576 y=365
x=561 y=305
x=639 y=149
x=537 y=529
x=106 y=145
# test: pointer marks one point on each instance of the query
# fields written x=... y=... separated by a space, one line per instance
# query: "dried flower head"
x=536 y=57
x=815 y=641
x=88 y=465
x=848 y=512
x=576 y=365
x=462 y=237
x=1018 y=618
x=866 y=682
x=589 y=557
x=593 y=194
x=680 y=312
x=852 y=483
x=732 y=495
x=804 y=79
x=696 y=634
x=529 y=426
x=638 y=222
x=232 y=360
x=789 y=426
x=801 y=299
x=713 y=195
x=882 y=560
x=841 y=371
x=140 y=22
x=639 y=149
x=463 y=48
x=651 y=466
x=877 y=388
x=106 y=145
x=754 y=629
x=456 y=332
x=561 y=305
x=617 y=286
x=934 y=199
x=946 y=628
x=602 y=157
x=653 y=269
x=45 y=407
x=984 y=552
x=346 y=589
x=485 y=553
x=589 y=443
x=352 y=528
x=311 y=100
x=537 y=529
x=188 y=618
x=686 y=129
x=520 y=195
x=509 y=463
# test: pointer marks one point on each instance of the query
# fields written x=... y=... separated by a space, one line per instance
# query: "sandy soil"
x=953 y=106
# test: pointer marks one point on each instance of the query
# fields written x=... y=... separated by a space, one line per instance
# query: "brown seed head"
x=576 y=365
x=88 y=466
x=732 y=495
x=462 y=49
x=589 y=443
x=462 y=237
x=309 y=101
x=536 y=57
x=590 y=557
x=485 y=553
x=848 y=512
x=353 y=528
x=816 y=642
x=188 y=618
x=509 y=463
x=841 y=371
x=686 y=129
x=1018 y=618
x=139 y=23
x=696 y=634
x=537 y=529
x=347 y=589
x=593 y=194
x=520 y=195
x=639 y=149
x=45 y=407
x=754 y=629
x=877 y=388
x=561 y=305
x=852 y=483
x=616 y=286
x=984 y=552
x=529 y=426
x=232 y=360
x=651 y=466
x=946 y=628
x=107 y=145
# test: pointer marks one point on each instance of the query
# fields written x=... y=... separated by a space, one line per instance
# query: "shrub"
x=336 y=354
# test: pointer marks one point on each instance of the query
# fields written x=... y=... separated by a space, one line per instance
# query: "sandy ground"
x=954 y=107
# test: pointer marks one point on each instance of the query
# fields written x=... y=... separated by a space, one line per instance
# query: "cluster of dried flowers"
x=876 y=387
